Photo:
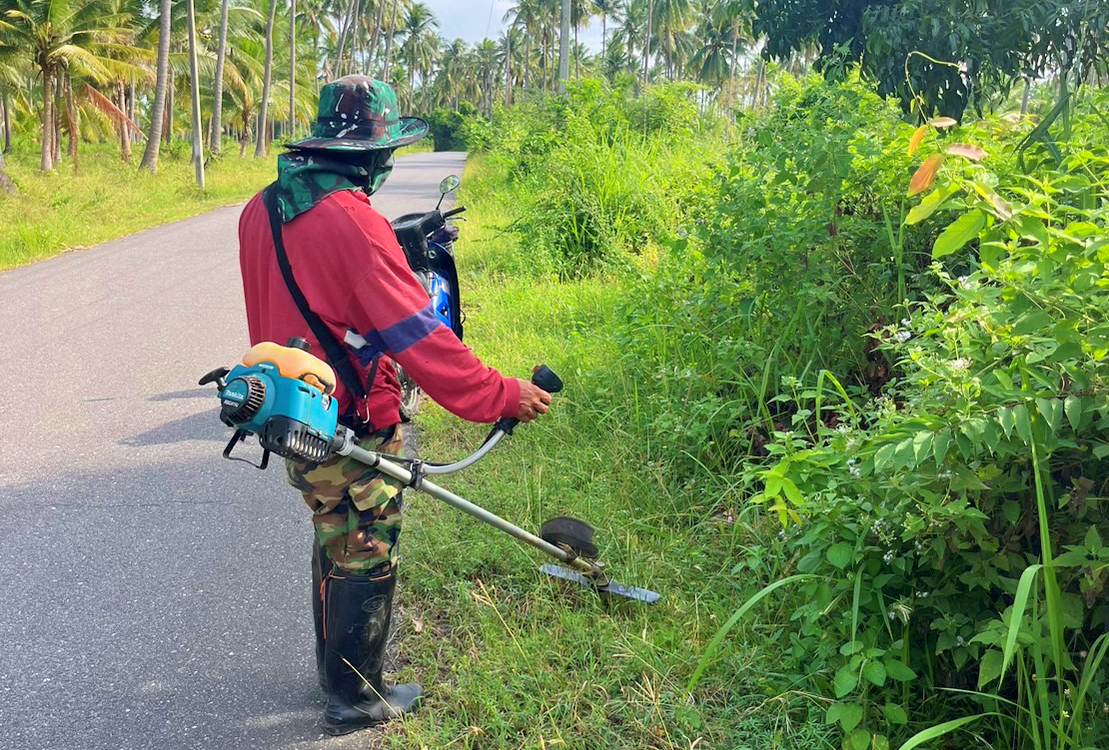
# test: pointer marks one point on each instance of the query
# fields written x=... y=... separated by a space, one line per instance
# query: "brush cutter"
x=283 y=396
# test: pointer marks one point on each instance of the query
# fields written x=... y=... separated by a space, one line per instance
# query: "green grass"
x=107 y=199
x=512 y=659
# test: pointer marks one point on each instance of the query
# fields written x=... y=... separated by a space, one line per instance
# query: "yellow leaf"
x=917 y=139
x=939 y=123
x=1000 y=207
x=966 y=151
x=925 y=175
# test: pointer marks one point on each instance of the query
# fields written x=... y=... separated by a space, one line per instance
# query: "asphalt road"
x=153 y=595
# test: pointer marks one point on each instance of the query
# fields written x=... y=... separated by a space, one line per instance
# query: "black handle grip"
x=545 y=378
x=454 y=212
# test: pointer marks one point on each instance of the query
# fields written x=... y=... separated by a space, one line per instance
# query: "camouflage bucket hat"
x=358 y=113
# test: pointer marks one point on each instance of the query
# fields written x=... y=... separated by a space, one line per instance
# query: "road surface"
x=153 y=595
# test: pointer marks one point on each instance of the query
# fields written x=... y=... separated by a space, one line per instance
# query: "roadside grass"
x=108 y=199
x=512 y=659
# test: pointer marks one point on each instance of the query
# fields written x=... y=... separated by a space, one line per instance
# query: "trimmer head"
x=610 y=587
x=571 y=533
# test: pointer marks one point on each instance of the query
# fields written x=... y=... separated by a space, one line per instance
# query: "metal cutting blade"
x=612 y=587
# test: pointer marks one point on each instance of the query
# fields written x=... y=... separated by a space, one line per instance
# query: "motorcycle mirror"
x=449 y=184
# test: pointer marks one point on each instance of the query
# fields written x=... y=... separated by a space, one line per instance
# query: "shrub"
x=449 y=128
x=915 y=389
x=947 y=531
x=601 y=176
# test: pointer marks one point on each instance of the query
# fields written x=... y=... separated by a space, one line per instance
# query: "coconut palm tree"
x=526 y=18
x=486 y=66
x=607 y=9
x=161 y=85
x=509 y=54
x=61 y=40
x=712 y=63
x=421 y=43
x=194 y=97
x=632 y=30
x=671 y=21
x=7 y=74
x=261 y=146
x=215 y=133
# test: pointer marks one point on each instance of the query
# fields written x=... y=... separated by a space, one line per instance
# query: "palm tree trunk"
x=171 y=95
x=267 y=74
x=375 y=36
x=71 y=120
x=1027 y=95
x=57 y=142
x=758 y=83
x=154 y=137
x=46 y=162
x=604 y=37
x=194 y=95
x=6 y=184
x=215 y=134
x=124 y=130
x=564 y=46
x=292 y=63
x=527 y=61
x=345 y=21
x=6 y=108
x=735 y=52
x=647 y=38
x=508 y=72
x=389 y=42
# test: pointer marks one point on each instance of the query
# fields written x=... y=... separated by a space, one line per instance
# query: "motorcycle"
x=428 y=242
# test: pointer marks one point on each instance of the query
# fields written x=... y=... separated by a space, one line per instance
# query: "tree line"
x=249 y=70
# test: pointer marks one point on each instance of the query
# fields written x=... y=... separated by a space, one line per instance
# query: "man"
x=318 y=262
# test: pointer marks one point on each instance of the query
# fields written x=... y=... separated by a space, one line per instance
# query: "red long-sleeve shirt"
x=355 y=276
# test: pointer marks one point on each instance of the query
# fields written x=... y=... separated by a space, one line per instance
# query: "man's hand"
x=533 y=401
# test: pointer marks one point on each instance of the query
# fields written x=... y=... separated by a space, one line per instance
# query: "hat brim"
x=412 y=129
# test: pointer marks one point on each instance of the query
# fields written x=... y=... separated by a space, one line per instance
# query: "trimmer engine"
x=282 y=394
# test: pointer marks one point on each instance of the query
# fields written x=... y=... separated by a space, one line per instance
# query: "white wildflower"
x=902 y=336
x=962 y=364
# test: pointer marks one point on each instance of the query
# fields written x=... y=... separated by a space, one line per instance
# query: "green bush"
x=600 y=176
x=449 y=127
x=927 y=424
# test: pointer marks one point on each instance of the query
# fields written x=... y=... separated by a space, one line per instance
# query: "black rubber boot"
x=321 y=568
x=358 y=611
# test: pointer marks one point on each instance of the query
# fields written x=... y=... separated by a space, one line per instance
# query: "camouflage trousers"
x=356 y=510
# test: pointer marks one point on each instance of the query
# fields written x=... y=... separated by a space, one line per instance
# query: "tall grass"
x=107 y=199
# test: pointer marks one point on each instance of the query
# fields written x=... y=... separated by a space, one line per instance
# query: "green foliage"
x=449 y=126
x=601 y=176
x=919 y=403
x=916 y=49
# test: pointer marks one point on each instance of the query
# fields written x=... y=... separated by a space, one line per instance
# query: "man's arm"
x=391 y=310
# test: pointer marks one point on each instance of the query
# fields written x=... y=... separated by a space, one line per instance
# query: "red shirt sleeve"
x=390 y=309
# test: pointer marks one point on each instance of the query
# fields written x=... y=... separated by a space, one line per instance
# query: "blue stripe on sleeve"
x=400 y=336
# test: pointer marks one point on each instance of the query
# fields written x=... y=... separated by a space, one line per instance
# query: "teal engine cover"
x=290 y=417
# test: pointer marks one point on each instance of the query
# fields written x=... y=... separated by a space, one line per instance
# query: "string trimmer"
x=283 y=396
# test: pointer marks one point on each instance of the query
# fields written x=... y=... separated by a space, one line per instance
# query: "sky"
x=474 y=20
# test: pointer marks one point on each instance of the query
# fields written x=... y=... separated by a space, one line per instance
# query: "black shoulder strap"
x=334 y=352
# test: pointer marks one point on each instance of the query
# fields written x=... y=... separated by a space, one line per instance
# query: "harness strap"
x=334 y=352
